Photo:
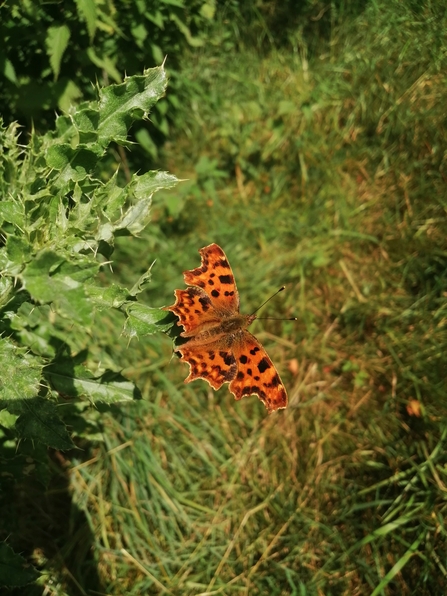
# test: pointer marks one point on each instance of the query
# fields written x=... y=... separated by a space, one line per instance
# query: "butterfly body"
x=219 y=348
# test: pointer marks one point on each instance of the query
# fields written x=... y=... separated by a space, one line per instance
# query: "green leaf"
x=121 y=104
x=77 y=381
x=150 y=182
x=157 y=52
x=21 y=372
x=145 y=141
x=70 y=94
x=113 y=296
x=87 y=11
x=156 y=17
x=106 y=63
x=39 y=421
x=14 y=570
x=142 y=282
x=56 y=43
x=50 y=278
x=178 y=3
x=195 y=42
x=13 y=212
x=6 y=290
x=143 y=320
x=73 y=164
x=7 y=69
x=7 y=420
x=139 y=33
x=35 y=326
x=18 y=251
x=86 y=121
x=109 y=197
x=136 y=218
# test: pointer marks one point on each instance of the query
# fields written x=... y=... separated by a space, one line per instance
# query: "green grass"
x=326 y=174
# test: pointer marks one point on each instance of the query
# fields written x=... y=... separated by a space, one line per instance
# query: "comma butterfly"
x=219 y=348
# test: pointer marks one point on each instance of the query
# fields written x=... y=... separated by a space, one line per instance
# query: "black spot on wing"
x=205 y=302
x=275 y=381
x=215 y=293
x=221 y=263
x=226 y=279
x=263 y=365
x=228 y=358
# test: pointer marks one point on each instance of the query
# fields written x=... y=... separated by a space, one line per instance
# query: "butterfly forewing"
x=216 y=278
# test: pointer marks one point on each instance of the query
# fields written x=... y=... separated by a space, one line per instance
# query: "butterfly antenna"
x=268 y=299
x=276 y=319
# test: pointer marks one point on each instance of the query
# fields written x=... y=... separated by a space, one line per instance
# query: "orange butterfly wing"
x=213 y=363
x=216 y=278
x=219 y=348
x=257 y=375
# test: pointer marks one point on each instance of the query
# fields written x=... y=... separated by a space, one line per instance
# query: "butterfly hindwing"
x=257 y=375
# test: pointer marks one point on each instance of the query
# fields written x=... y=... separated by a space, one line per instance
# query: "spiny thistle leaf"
x=58 y=222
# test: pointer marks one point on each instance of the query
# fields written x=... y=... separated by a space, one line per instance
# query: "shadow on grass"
x=40 y=521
